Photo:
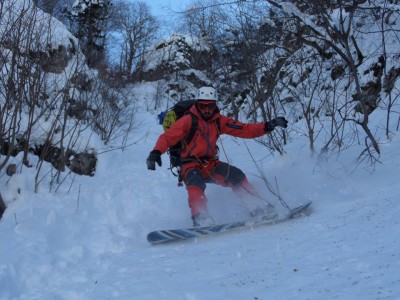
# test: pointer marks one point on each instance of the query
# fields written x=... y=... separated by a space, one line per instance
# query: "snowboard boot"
x=202 y=219
x=264 y=213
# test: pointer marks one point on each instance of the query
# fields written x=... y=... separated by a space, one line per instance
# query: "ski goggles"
x=209 y=105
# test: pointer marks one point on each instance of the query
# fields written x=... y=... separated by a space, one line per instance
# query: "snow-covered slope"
x=91 y=243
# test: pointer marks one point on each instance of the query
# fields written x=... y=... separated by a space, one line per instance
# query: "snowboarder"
x=200 y=161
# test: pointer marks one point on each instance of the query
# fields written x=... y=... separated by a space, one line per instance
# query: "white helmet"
x=207 y=93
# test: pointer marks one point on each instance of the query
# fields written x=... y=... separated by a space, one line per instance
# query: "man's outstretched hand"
x=278 y=121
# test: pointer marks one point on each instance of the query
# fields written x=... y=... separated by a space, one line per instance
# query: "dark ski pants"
x=197 y=174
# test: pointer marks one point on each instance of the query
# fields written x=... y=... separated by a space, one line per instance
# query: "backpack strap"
x=193 y=128
x=218 y=123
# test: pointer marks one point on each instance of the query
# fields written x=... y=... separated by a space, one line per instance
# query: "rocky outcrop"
x=82 y=163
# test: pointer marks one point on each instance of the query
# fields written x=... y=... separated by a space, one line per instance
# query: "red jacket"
x=204 y=142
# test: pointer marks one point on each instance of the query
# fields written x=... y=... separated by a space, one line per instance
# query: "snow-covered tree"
x=134 y=30
x=89 y=23
x=53 y=107
x=173 y=61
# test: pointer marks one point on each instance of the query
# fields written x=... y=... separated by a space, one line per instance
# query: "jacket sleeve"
x=174 y=134
x=242 y=130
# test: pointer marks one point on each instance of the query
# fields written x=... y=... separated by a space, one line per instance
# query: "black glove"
x=278 y=121
x=154 y=156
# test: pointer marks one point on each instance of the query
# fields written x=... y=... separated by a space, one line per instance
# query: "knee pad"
x=193 y=178
x=232 y=175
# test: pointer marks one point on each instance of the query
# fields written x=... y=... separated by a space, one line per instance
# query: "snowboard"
x=174 y=235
